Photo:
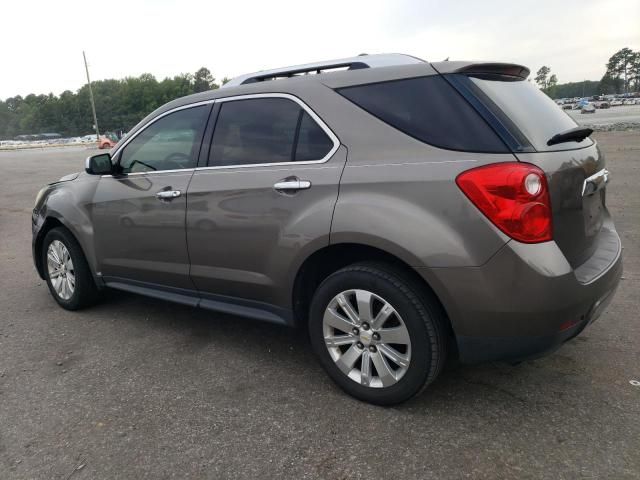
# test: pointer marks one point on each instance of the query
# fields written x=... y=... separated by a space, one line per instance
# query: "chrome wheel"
x=60 y=269
x=366 y=338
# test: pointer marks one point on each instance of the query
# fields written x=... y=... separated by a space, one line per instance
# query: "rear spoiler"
x=483 y=68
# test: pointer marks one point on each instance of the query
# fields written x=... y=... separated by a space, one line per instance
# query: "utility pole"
x=93 y=104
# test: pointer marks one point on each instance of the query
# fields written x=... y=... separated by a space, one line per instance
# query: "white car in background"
x=615 y=103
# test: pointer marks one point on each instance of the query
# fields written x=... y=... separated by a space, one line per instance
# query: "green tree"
x=634 y=71
x=620 y=65
x=541 y=76
x=551 y=87
x=203 y=80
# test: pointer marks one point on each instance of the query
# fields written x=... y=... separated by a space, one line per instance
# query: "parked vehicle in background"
x=588 y=108
x=615 y=103
x=604 y=105
x=403 y=211
x=567 y=106
x=108 y=141
x=629 y=101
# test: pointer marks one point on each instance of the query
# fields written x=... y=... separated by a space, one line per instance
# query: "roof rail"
x=352 y=63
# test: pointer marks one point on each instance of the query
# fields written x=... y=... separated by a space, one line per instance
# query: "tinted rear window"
x=533 y=113
x=313 y=142
x=266 y=130
x=428 y=109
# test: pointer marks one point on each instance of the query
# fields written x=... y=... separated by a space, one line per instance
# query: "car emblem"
x=595 y=182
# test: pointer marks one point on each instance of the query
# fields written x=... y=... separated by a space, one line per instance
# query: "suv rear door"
x=264 y=198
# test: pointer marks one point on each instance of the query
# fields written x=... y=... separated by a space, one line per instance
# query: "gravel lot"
x=138 y=388
x=621 y=114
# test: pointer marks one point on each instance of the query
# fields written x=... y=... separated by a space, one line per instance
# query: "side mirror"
x=99 y=164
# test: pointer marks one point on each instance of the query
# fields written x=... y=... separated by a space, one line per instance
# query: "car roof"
x=353 y=71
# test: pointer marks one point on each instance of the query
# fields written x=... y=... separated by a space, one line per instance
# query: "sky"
x=41 y=42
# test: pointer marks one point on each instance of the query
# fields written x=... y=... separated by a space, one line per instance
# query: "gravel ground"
x=624 y=114
x=138 y=388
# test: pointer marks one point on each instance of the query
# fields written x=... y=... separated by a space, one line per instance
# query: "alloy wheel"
x=366 y=338
x=60 y=269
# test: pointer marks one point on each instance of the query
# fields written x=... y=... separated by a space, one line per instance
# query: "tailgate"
x=578 y=208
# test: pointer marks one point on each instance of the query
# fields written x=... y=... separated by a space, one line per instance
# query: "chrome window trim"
x=332 y=136
x=151 y=122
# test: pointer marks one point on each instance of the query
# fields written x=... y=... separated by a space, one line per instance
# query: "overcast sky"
x=41 y=42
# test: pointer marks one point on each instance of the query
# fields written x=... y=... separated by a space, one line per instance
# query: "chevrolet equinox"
x=404 y=211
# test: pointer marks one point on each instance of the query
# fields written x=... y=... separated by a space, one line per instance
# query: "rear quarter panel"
x=399 y=194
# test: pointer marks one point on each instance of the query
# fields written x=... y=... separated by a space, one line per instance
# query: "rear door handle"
x=292 y=185
x=168 y=194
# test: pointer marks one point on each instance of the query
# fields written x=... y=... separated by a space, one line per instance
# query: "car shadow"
x=517 y=388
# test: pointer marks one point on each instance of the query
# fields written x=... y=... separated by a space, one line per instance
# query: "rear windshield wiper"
x=576 y=134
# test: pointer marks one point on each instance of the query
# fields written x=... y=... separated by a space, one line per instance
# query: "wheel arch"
x=51 y=222
x=327 y=260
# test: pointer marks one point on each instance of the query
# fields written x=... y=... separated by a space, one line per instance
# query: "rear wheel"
x=377 y=333
x=66 y=270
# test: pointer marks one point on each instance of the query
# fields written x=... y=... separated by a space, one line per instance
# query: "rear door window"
x=266 y=130
x=428 y=109
x=313 y=142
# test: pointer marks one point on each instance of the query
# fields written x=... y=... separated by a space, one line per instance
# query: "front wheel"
x=378 y=334
x=66 y=270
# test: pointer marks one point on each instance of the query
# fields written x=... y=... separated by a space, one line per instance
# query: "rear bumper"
x=527 y=300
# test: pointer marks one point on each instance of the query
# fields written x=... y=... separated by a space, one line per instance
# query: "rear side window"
x=428 y=109
x=266 y=130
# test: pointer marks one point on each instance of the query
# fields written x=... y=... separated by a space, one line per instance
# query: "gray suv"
x=405 y=212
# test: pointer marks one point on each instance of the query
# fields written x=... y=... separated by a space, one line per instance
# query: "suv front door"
x=139 y=213
x=265 y=199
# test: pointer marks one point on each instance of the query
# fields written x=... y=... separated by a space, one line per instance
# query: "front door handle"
x=292 y=185
x=168 y=194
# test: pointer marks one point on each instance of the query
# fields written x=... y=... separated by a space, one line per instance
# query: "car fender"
x=71 y=207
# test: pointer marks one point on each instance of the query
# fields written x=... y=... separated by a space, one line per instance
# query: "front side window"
x=170 y=143
x=266 y=130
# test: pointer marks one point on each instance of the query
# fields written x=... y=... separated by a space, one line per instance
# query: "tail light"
x=514 y=196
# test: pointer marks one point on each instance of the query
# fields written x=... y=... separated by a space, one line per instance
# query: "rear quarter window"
x=430 y=110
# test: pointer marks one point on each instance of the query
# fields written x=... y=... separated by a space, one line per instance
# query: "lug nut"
x=356 y=331
x=372 y=348
x=365 y=326
x=360 y=345
x=376 y=336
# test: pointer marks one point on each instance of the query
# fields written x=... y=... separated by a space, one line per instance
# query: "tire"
x=414 y=307
x=84 y=292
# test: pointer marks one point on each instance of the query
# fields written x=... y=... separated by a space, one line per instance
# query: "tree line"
x=622 y=75
x=120 y=104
